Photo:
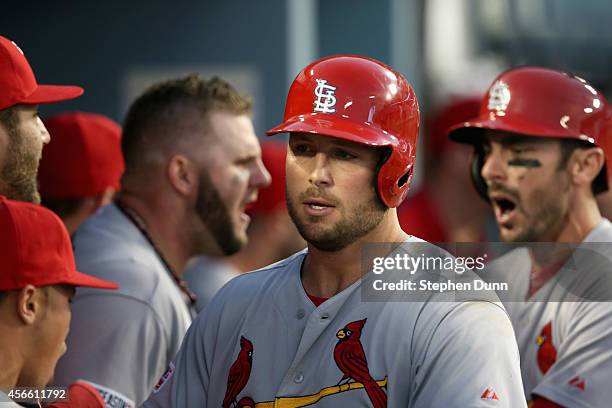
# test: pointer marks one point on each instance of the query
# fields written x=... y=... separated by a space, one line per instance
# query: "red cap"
x=272 y=198
x=459 y=109
x=83 y=158
x=18 y=84
x=35 y=249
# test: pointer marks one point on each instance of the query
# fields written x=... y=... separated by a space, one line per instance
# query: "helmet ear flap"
x=406 y=177
x=478 y=160
x=390 y=188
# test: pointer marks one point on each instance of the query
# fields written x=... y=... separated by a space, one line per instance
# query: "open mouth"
x=504 y=207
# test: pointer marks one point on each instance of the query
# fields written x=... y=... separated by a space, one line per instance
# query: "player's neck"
x=582 y=217
x=11 y=361
x=74 y=220
x=547 y=259
x=327 y=273
x=161 y=226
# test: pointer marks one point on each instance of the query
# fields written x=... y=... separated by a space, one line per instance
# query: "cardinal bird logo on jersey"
x=547 y=354
x=351 y=360
x=239 y=374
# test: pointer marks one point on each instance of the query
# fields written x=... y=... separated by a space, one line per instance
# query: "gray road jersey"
x=564 y=331
x=205 y=275
x=122 y=340
x=413 y=354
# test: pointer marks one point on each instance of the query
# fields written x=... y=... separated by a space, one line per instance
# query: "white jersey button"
x=300 y=314
x=324 y=316
x=299 y=377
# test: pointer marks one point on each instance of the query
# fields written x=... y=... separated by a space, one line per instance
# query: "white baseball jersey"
x=262 y=343
x=564 y=331
x=122 y=341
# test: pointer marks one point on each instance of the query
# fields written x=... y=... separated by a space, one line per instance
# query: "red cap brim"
x=52 y=93
x=339 y=128
x=81 y=279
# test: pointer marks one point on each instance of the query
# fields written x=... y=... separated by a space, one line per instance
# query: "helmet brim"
x=470 y=132
x=336 y=127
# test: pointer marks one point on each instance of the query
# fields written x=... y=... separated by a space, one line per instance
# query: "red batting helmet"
x=364 y=101
x=540 y=102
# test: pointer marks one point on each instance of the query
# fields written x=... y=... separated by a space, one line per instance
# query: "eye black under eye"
x=529 y=163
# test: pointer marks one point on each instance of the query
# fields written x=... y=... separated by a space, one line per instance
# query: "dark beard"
x=345 y=232
x=20 y=171
x=547 y=219
x=550 y=219
x=214 y=214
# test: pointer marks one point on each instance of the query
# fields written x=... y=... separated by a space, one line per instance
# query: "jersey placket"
x=296 y=381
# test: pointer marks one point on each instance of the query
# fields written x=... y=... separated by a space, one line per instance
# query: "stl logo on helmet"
x=499 y=96
x=325 y=97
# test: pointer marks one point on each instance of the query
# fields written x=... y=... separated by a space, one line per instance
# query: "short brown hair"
x=153 y=119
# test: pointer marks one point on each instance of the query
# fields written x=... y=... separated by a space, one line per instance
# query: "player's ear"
x=182 y=174
x=30 y=302
x=586 y=165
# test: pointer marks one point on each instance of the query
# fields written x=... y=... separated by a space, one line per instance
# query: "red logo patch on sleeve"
x=489 y=394
x=577 y=382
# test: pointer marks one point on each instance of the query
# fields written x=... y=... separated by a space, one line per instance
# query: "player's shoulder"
x=108 y=246
x=109 y=234
x=596 y=249
x=267 y=279
x=259 y=289
x=601 y=233
x=440 y=276
x=461 y=324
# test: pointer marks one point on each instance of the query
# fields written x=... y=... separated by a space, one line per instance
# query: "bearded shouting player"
x=542 y=151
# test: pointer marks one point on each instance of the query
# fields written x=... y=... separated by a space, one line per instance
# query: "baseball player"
x=81 y=167
x=297 y=333
x=22 y=133
x=193 y=163
x=541 y=155
x=37 y=282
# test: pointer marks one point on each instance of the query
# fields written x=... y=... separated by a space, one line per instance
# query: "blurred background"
x=450 y=50
x=445 y=48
